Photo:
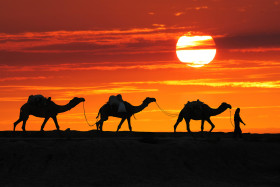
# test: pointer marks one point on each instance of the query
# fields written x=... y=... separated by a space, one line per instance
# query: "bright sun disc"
x=195 y=51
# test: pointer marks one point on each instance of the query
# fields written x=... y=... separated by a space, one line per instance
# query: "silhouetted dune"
x=73 y=158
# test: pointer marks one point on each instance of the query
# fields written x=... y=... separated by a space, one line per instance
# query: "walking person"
x=237 y=119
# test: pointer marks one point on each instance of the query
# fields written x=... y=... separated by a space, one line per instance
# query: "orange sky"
x=93 y=49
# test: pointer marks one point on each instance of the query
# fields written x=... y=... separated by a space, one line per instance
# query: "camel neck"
x=139 y=108
x=64 y=108
x=217 y=111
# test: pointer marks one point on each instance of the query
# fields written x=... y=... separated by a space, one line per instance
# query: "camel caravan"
x=40 y=106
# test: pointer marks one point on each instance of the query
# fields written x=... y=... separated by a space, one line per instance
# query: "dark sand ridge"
x=138 y=159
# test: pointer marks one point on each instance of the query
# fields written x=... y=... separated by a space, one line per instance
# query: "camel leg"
x=24 y=123
x=17 y=122
x=123 y=119
x=44 y=123
x=101 y=125
x=180 y=118
x=55 y=122
x=202 y=125
x=212 y=125
x=97 y=125
x=22 y=117
x=188 y=124
x=129 y=124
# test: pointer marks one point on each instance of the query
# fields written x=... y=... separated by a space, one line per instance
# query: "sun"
x=196 y=51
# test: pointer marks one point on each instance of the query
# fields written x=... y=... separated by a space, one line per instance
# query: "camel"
x=50 y=110
x=106 y=110
x=197 y=110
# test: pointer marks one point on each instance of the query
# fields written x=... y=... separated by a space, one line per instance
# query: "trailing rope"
x=86 y=116
x=165 y=112
x=230 y=117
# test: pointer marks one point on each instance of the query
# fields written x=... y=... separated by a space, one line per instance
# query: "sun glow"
x=195 y=51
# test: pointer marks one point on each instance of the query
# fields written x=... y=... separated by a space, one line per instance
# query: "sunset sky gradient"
x=93 y=49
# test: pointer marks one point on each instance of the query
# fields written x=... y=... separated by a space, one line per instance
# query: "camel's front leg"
x=101 y=126
x=97 y=125
x=212 y=125
x=129 y=124
x=188 y=124
x=123 y=119
x=44 y=123
x=55 y=122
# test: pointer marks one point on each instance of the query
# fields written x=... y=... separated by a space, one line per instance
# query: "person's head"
x=237 y=110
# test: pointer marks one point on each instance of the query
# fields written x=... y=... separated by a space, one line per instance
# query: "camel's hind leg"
x=123 y=119
x=212 y=125
x=129 y=124
x=44 y=123
x=180 y=118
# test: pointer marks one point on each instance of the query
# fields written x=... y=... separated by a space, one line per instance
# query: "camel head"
x=148 y=100
x=225 y=105
x=76 y=100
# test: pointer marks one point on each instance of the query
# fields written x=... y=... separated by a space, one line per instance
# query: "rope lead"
x=165 y=112
x=230 y=117
x=86 y=116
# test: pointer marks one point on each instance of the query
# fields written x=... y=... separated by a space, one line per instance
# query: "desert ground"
x=73 y=158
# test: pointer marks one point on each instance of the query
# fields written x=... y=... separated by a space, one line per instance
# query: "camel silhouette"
x=50 y=110
x=106 y=110
x=197 y=110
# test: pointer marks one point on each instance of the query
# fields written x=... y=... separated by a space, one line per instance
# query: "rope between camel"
x=230 y=117
x=86 y=116
x=165 y=112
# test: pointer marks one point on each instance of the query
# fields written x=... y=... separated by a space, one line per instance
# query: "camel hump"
x=196 y=105
x=38 y=100
x=115 y=100
x=118 y=102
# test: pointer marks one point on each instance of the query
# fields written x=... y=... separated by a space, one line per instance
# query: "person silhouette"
x=237 y=119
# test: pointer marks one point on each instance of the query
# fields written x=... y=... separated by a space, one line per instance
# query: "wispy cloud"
x=210 y=83
x=9 y=99
x=197 y=8
x=121 y=90
x=91 y=40
x=249 y=43
x=178 y=13
x=259 y=49
x=229 y=65
x=92 y=66
x=21 y=78
x=64 y=93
